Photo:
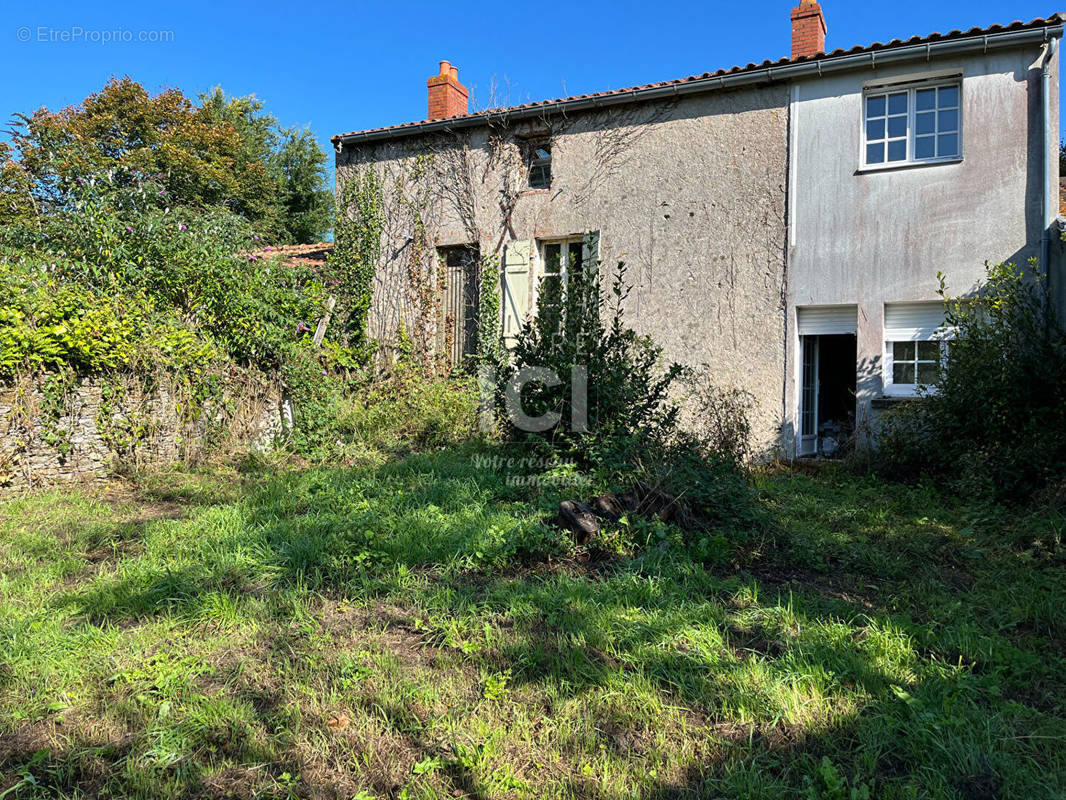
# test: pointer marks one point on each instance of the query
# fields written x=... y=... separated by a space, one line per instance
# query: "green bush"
x=87 y=285
x=628 y=407
x=357 y=416
x=633 y=436
x=995 y=426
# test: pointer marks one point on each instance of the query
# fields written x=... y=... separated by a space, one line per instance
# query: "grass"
x=414 y=629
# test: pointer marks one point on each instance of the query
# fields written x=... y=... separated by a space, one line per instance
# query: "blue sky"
x=345 y=66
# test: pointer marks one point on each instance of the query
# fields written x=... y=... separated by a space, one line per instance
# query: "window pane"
x=903 y=373
x=875 y=129
x=928 y=351
x=928 y=373
x=925 y=99
x=949 y=120
x=925 y=147
x=897 y=103
x=540 y=176
x=897 y=126
x=949 y=96
x=574 y=264
x=875 y=154
x=543 y=154
x=925 y=123
x=875 y=106
x=552 y=256
x=903 y=351
x=551 y=288
x=897 y=151
x=948 y=145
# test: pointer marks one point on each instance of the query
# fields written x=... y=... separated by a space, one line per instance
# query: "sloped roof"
x=1017 y=26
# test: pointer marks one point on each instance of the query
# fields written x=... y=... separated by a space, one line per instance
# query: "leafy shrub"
x=717 y=417
x=89 y=282
x=342 y=418
x=995 y=426
x=627 y=388
x=633 y=436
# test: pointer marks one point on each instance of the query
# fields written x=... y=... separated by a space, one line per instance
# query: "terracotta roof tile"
x=297 y=253
x=1018 y=25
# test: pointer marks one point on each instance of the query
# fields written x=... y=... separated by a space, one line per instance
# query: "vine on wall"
x=357 y=253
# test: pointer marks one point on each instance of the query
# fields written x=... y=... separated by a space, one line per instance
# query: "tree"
x=16 y=195
x=224 y=152
x=305 y=198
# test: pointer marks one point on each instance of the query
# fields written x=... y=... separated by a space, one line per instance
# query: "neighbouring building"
x=783 y=223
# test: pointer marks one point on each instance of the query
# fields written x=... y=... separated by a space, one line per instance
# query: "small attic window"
x=540 y=164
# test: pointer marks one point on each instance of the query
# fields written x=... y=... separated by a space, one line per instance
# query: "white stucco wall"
x=870 y=238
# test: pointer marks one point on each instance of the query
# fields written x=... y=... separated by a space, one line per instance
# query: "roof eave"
x=815 y=67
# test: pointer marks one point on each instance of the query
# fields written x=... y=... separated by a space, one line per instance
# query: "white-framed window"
x=919 y=124
x=916 y=347
x=916 y=364
x=560 y=258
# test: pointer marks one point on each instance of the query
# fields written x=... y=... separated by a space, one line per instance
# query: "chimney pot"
x=808 y=30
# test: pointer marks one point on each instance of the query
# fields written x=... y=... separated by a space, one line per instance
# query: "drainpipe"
x=1049 y=205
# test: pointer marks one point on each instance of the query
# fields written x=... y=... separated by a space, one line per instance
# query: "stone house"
x=782 y=223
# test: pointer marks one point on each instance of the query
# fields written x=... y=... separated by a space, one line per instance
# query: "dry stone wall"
x=57 y=431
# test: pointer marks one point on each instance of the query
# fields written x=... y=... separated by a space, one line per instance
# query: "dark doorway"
x=459 y=306
x=827 y=398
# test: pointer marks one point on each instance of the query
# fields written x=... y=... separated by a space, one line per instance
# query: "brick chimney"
x=447 y=97
x=808 y=29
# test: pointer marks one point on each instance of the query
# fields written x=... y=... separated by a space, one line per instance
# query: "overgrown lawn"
x=416 y=629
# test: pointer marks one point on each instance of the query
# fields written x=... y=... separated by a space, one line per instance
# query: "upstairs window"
x=539 y=160
x=916 y=125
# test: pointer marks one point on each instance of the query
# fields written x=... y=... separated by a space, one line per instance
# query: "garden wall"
x=57 y=428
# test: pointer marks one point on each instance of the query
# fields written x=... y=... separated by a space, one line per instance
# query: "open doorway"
x=827 y=393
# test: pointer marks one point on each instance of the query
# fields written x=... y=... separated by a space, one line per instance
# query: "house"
x=783 y=223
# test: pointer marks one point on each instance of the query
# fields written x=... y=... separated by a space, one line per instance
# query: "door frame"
x=809 y=346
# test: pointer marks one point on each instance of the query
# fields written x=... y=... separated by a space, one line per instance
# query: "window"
x=560 y=259
x=917 y=363
x=912 y=126
x=539 y=159
x=916 y=346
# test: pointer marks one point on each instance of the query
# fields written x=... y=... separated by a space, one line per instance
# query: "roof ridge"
x=1017 y=25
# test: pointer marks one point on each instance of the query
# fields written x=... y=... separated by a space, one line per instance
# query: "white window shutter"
x=908 y=322
x=516 y=294
x=827 y=320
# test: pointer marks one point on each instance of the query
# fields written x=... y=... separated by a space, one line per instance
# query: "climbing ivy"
x=357 y=253
x=490 y=349
x=57 y=399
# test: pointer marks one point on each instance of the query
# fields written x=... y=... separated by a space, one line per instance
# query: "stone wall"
x=56 y=430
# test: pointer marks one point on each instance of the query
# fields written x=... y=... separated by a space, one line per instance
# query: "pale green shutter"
x=590 y=250
x=516 y=257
